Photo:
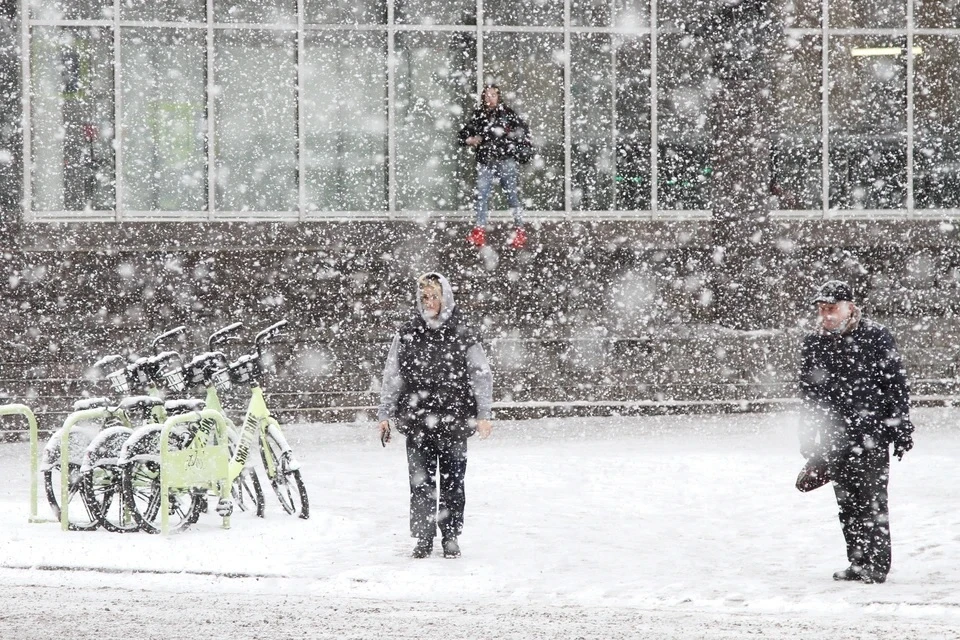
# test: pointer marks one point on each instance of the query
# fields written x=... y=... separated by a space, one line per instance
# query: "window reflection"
x=345 y=11
x=345 y=116
x=257 y=11
x=796 y=180
x=72 y=127
x=435 y=12
x=623 y=14
x=164 y=10
x=936 y=150
x=530 y=13
x=256 y=121
x=592 y=126
x=71 y=9
x=435 y=93
x=868 y=14
x=868 y=99
x=683 y=150
x=937 y=14
x=530 y=73
x=633 y=123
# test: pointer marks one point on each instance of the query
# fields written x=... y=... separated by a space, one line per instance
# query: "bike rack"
x=206 y=467
x=99 y=413
x=25 y=411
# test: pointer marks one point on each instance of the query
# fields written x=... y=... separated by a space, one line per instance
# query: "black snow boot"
x=451 y=549
x=851 y=573
x=423 y=549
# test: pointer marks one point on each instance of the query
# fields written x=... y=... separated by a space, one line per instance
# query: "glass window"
x=592 y=123
x=623 y=14
x=435 y=93
x=528 y=67
x=936 y=146
x=255 y=11
x=436 y=12
x=164 y=120
x=72 y=119
x=799 y=14
x=164 y=10
x=683 y=147
x=937 y=14
x=868 y=14
x=345 y=117
x=632 y=57
x=256 y=120
x=71 y=9
x=796 y=145
x=680 y=14
x=345 y=11
x=868 y=105
x=532 y=13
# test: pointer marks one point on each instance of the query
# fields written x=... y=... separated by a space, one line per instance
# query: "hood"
x=447 y=303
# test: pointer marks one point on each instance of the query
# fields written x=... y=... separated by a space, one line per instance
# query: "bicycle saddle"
x=90 y=403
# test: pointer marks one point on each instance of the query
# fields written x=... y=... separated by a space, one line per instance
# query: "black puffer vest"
x=436 y=385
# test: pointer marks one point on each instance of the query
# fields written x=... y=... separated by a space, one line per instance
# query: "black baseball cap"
x=832 y=292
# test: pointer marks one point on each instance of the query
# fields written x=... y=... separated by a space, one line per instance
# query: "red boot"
x=477 y=237
x=519 y=239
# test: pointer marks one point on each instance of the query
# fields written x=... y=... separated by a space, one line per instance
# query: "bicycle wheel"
x=287 y=484
x=103 y=494
x=79 y=515
x=141 y=492
x=248 y=493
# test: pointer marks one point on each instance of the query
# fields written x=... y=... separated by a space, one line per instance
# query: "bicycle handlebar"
x=270 y=332
x=224 y=334
x=166 y=334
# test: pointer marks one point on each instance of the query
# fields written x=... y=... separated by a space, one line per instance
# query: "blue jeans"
x=507 y=172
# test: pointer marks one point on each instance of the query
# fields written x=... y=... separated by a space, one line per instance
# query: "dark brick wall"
x=602 y=312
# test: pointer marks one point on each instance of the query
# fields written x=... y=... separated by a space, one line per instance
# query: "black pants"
x=860 y=483
x=426 y=454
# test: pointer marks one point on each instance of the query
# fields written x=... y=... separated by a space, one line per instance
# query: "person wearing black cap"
x=438 y=390
x=854 y=387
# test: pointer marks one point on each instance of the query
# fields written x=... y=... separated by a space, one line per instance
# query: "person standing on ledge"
x=502 y=141
x=854 y=388
x=438 y=389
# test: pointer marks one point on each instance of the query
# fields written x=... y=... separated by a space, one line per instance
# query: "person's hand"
x=484 y=428
x=902 y=444
x=384 y=432
x=474 y=140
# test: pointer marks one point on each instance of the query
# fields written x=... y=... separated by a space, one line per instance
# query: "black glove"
x=902 y=444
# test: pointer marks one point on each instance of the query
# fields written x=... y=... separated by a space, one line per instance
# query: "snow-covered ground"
x=654 y=527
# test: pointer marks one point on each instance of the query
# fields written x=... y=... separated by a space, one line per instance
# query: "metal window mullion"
x=910 y=106
x=825 y=109
x=391 y=116
x=654 y=105
x=301 y=137
x=567 y=116
x=25 y=117
x=479 y=48
x=211 y=118
x=117 y=115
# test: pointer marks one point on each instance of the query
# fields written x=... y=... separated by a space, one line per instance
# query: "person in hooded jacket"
x=437 y=389
x=854 y=387
x=500 y=137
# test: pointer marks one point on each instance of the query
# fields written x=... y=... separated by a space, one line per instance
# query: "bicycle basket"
x=221 y=378
x=246 y=369
x=175 y=380
x=120 y=380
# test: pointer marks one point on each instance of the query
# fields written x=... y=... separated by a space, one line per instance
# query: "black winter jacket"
x=502 y=130
x=436 y=383
x=856 y=388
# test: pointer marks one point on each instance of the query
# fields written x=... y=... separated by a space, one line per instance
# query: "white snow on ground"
x=652 y=527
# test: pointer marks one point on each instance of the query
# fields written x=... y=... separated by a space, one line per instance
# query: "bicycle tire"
x=141 y=492
x=80 y=517
x=103 y=493
x=287 y=484
x=247 y=492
